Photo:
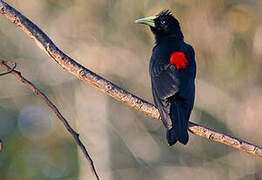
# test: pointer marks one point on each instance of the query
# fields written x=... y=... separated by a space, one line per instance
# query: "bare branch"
x=55 y=110
x=44 y=42
x=1 y=145
x=9 y=71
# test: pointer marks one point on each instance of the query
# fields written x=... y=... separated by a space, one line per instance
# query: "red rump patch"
x=179 y=59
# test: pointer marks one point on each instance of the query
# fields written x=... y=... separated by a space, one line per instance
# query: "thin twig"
x=45 y=43
x=55 y=110
x=9 y=71
x=1 y=145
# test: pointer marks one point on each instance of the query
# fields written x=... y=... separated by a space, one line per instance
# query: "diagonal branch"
x=10 y=70
x=56 y=111
x=44 y=42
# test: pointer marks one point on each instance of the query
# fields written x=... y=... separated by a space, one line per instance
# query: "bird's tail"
x=180 y=124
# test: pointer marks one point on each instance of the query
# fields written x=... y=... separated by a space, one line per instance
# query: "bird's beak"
x=148 y=21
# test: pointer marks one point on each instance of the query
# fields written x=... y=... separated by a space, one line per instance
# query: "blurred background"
x=126 y=144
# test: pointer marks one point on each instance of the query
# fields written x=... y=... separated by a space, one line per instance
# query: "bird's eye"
x=162 y=21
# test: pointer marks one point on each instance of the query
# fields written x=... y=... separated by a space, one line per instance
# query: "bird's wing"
x=163 y=107
x=173 y=74
x=170 y=80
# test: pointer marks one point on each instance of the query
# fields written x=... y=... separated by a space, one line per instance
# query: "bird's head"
x=163 y=25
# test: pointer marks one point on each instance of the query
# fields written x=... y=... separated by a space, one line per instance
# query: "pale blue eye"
x=162 y=21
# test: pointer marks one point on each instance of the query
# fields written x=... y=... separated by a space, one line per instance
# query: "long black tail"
x=179 y=119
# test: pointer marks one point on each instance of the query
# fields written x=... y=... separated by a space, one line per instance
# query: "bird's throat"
x=164 y=37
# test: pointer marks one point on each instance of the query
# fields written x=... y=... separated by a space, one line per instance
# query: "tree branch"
x=1 y=145
x=9 y=71
x=44 y=42
x=55 y=110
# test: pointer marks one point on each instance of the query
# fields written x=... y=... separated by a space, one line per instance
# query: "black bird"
x=173 y=71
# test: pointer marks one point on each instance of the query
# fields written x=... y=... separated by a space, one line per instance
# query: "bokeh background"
x=126 y=144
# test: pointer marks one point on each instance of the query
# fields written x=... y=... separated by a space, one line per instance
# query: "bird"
x=172 y=70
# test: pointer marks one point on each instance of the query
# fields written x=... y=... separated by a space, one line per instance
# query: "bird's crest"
x=165 y=12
